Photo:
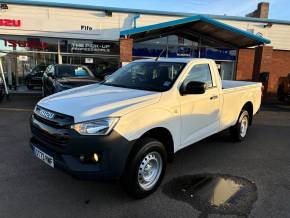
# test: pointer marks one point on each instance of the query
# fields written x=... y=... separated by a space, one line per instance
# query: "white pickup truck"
x=130 y=125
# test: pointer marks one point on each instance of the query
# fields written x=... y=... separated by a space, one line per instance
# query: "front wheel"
x=145 y=168
x=239 y=131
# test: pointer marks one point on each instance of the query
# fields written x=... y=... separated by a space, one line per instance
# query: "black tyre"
x=145 y=168
x=239 y=131
x=280 y=93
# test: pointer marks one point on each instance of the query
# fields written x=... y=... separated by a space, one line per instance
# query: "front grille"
x=51 y=130
x=59 y=120
x=52 y=139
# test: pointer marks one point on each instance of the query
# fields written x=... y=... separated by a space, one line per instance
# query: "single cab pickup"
x=131 y=125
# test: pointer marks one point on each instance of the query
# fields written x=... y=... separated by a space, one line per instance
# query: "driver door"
x=199 y=112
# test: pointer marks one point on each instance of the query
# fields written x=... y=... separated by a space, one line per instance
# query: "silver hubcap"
x=149 y=170
x=244 y=126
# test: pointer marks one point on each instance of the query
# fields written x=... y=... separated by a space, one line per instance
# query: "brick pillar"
x=263 y=61
x=126 y=50
x=245 y=64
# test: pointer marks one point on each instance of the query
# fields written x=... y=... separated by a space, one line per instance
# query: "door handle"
x=214 y=97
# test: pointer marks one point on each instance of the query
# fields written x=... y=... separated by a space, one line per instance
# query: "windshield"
x=38 y=70
x=72 y=71
x=152 y=76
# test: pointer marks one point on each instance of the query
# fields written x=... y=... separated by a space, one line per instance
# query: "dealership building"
x=103 y=38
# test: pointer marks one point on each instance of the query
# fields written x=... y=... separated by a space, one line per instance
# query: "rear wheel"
x=145 y=168
x=239 y=131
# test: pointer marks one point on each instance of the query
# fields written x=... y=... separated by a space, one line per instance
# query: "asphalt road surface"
x=29 y=188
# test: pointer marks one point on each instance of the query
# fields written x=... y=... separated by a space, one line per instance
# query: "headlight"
x=96 y=127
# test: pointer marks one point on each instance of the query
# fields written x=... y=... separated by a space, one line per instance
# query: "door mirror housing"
x=193 y=88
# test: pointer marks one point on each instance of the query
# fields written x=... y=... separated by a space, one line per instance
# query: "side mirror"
x=193 y=88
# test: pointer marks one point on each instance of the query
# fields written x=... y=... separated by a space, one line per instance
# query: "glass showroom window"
x=22 y=55
x=175 y=46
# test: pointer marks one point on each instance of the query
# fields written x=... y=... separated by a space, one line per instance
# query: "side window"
x=200 y=73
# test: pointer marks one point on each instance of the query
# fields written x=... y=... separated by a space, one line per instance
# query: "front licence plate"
x=43 y=156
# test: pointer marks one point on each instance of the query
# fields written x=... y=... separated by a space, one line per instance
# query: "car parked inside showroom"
x=34 y=77
x=60 y=77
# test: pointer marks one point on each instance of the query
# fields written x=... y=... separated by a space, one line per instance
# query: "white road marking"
x=15 y=109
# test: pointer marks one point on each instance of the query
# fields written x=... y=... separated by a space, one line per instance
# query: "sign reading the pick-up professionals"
x=94 y=47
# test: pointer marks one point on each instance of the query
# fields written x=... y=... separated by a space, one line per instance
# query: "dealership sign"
x=23 y=58
x=30 y=43
x=92 y=47
x=10 y=23
x=89 y=60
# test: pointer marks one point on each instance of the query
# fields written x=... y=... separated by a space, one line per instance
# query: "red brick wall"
x=280 y=68
x=245 y=65
x=126 y=49
x=276 y=62
x=263 y=61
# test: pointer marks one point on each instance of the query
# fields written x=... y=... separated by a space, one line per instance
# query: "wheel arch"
x=248 y=106
x=161 y=134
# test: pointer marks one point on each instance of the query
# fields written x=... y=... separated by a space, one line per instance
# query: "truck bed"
x=235 y=95
x=236 y=85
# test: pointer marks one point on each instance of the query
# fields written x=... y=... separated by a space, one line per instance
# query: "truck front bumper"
x=66 y=147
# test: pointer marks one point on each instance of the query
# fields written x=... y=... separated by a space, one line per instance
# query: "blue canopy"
x=201 y=25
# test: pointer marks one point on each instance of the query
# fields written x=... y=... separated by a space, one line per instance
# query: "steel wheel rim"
x=150 y=170
x=244 y=126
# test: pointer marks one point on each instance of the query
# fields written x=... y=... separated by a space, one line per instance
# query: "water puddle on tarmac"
x=214 y=193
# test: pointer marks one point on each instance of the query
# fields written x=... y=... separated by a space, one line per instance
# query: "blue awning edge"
x=259 y=39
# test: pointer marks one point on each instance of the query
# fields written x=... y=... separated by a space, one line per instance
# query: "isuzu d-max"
x=131 y=125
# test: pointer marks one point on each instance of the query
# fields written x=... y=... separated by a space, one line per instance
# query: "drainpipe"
x=137 y=16
x=199 y=46
x=59 y=53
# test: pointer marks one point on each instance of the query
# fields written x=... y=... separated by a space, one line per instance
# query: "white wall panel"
x=66 y=23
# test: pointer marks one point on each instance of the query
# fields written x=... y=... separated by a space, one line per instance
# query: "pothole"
x=214 y=193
